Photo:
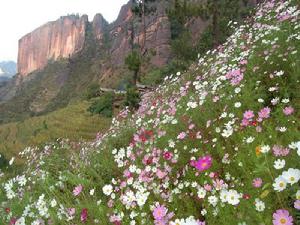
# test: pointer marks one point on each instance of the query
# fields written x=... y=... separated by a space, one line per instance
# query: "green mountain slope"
x=72 y=122
x=217 y=145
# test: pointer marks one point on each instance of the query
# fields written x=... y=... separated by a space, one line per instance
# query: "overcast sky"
x=19 y=17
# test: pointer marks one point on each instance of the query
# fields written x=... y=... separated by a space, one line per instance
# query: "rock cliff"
x=61 y=38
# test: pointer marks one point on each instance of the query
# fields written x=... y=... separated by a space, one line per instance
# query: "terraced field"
x=73 y=122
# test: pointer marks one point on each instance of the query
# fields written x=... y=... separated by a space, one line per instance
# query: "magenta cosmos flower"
x=204 y=163
x=84 y=215
x=282 y=217
x=77 y=190
x=160 y=212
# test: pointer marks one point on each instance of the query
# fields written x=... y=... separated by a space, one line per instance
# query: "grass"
x=72 y=122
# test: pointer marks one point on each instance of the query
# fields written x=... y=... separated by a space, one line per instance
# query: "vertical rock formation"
x=158 y=35
x=61 y=38
x=99 y=27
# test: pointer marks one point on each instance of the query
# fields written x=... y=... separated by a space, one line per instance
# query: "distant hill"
x=7 y=70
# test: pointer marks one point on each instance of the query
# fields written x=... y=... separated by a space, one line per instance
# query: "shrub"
x=154 y=77
x=103 y=105
x=3 y=161
x=92 y=91
x=132 y=98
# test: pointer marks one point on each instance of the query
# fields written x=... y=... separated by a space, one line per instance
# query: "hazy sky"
x=19 y=17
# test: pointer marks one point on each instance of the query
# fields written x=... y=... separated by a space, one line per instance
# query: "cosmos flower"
x=264 y=113
x=288 y=110
x=204 y=163
x=159 y=212
x=257 y=182
x=84 y=215
x=248 y=114
x=282 y=217
x=292 y=176
x=297 y=204
x=279 y=184
x=77 y=190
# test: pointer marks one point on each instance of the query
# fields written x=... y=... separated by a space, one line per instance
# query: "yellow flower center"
x=283 y=221
x=292 y=178
x=281 y=184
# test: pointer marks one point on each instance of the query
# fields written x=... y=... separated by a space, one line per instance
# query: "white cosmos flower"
x=107 y=189
x=298 y=195
x=292 y=176
x=201 y=193
x=260 y=100
x=279 y=164
x=11 y=161
x=213 y=200
x=223 y=195
x=233 y=197
x=192 y=105
x=265 y=148
x=237 y=105
x=259 y=205
x=92 y=191
x=20 y=221
x=53 y=203
x=279 y=184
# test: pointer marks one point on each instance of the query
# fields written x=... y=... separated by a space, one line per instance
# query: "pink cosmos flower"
x=264 y=113
x=245 y=122
x=160 y=174
x=235 y=76
x=77 y=190
x=181 y=136
x=288 y=110
x=248 y=114
x=203 y=163
x=159 y=212
x=280 y=151
x=258 y=129
x=84 y=215
x=297 y=204
x=282 y=217
x=257 y=182
x=207 y=187
x=71 y=211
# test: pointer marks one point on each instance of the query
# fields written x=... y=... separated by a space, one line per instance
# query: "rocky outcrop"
x=158 y=35
x=61 y=38
x=99 y=25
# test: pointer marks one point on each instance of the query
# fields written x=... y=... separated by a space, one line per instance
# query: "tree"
x=133 y=62
x=103 y=106
x=141 y=9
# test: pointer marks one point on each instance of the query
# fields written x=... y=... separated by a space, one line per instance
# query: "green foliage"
x=3 y=161
x=92 y=91
x=182 y=47
x=154 y=77
x=133 y=61
x=103 y=105
x=132 y=98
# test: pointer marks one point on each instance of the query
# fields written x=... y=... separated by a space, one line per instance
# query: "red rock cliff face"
x=61 y=38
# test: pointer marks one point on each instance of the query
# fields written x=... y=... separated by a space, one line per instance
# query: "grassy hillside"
x=73 y=122
x=217 y=145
